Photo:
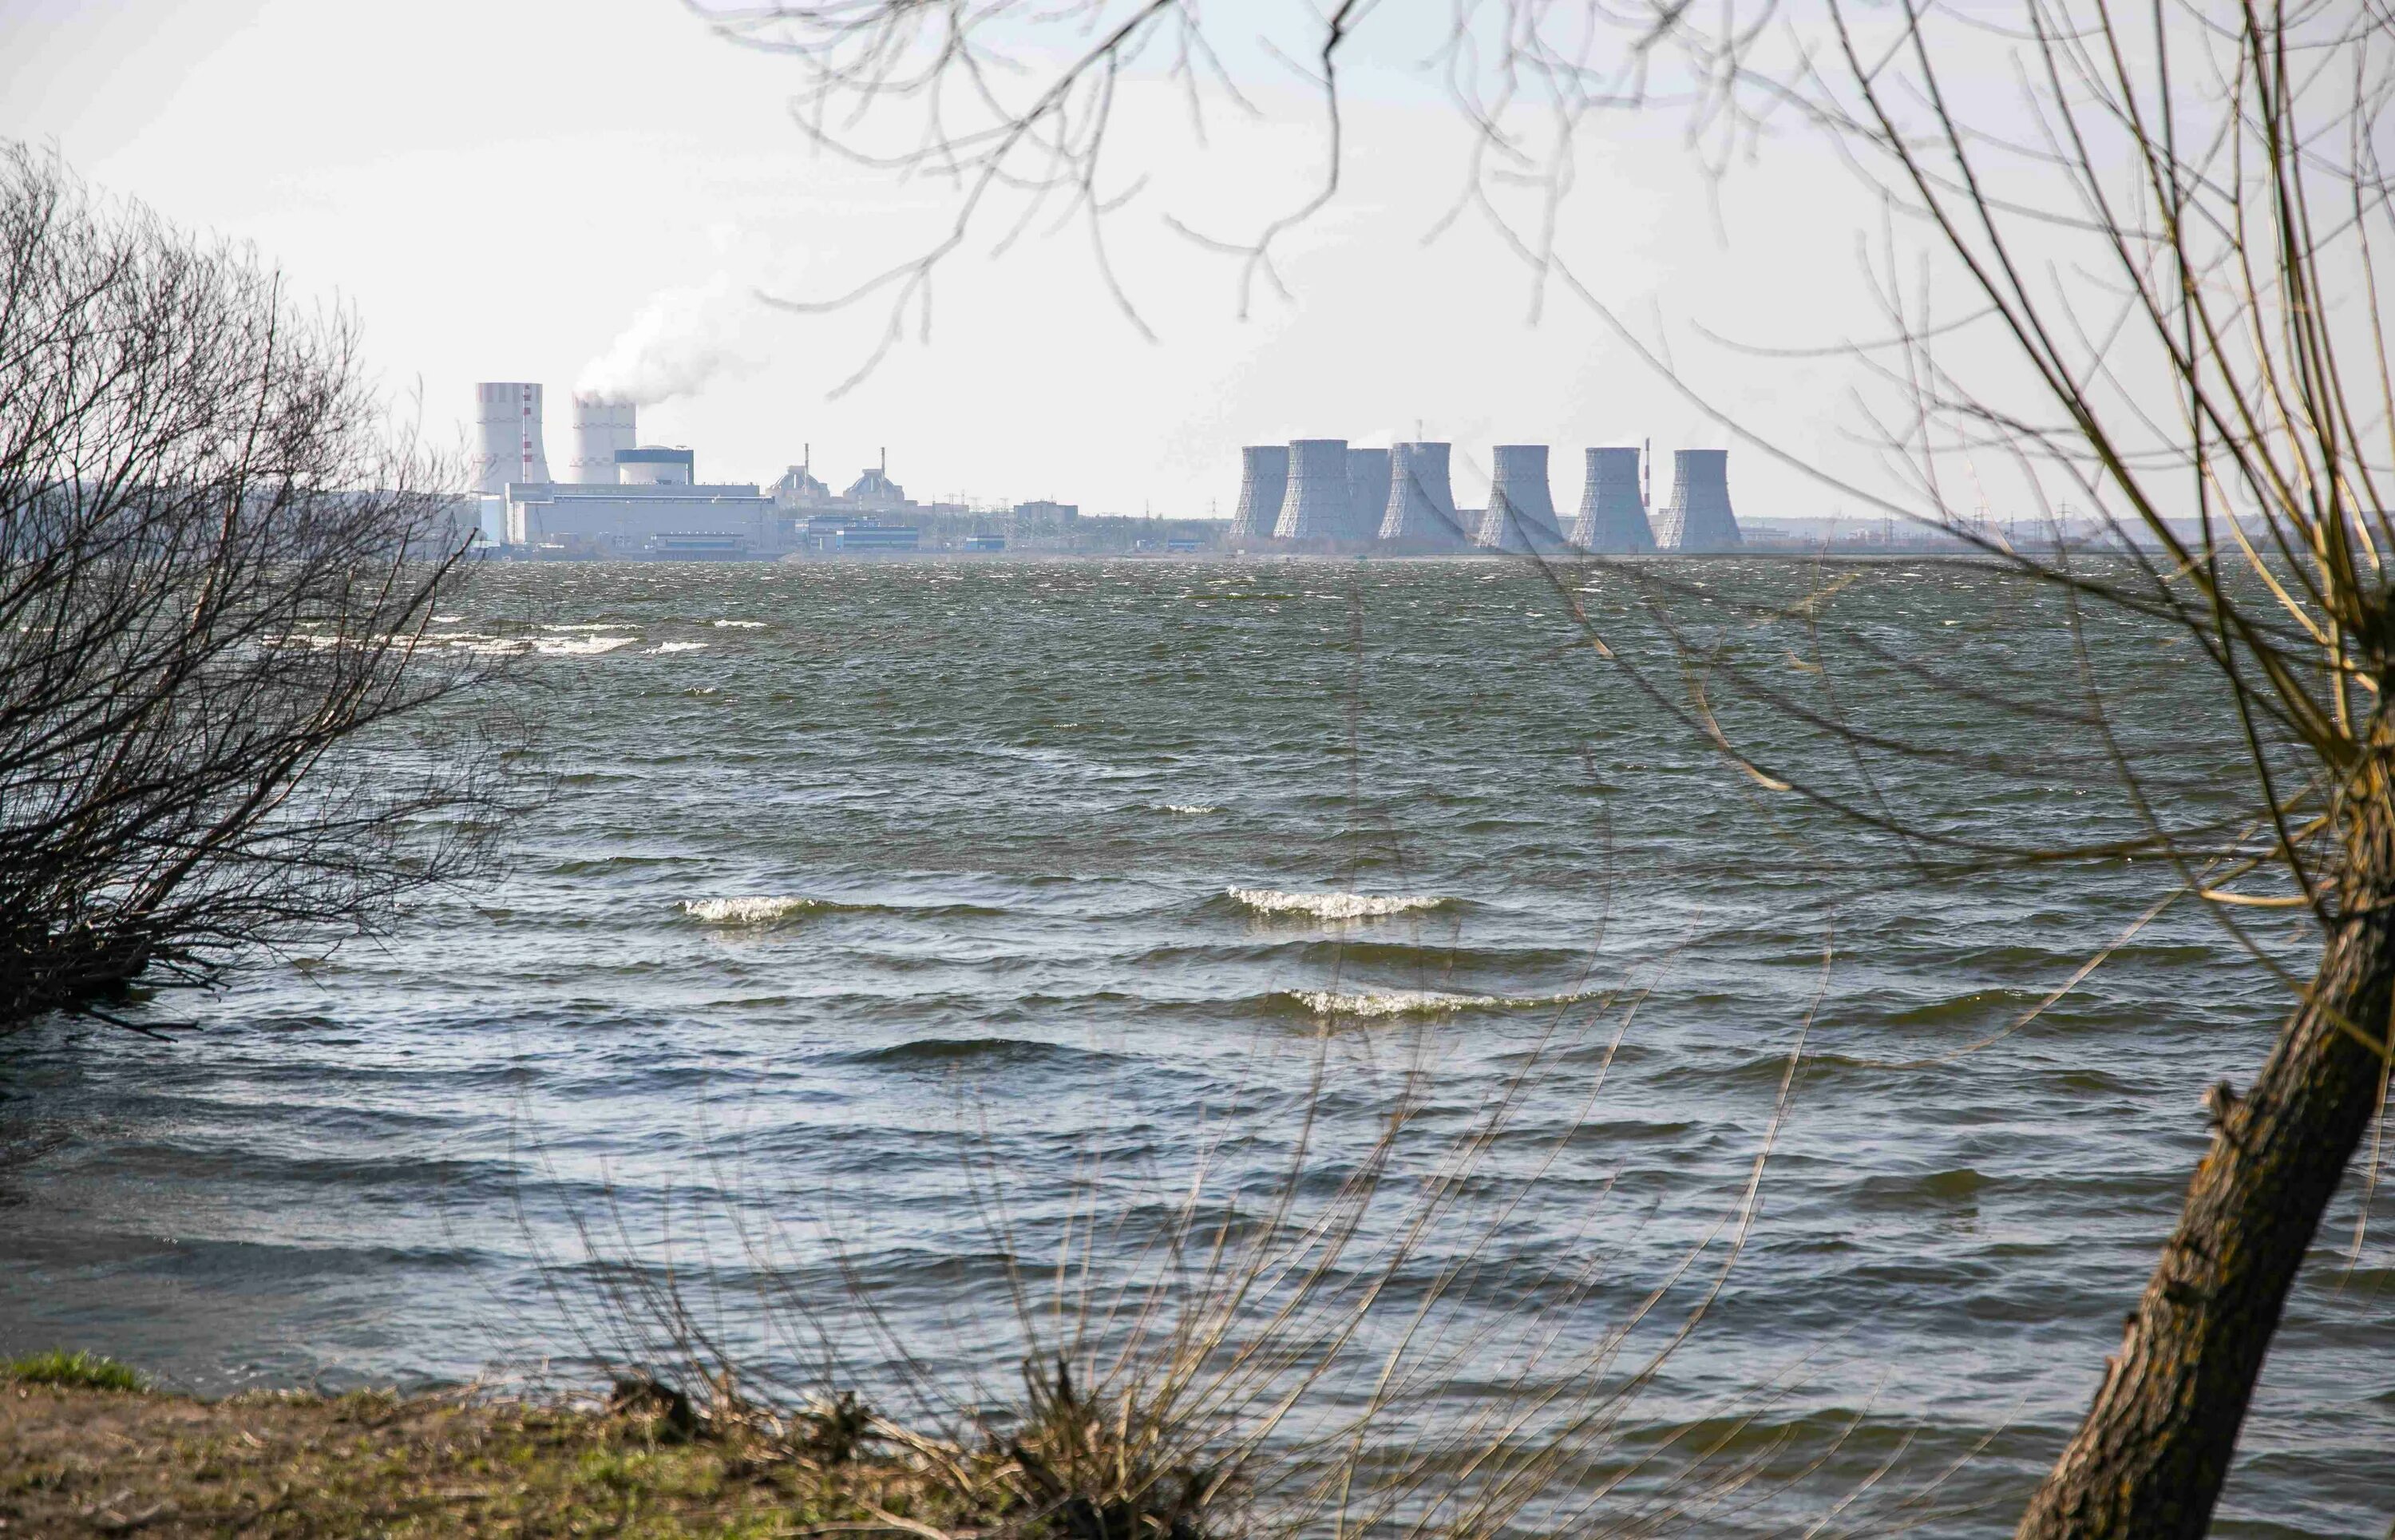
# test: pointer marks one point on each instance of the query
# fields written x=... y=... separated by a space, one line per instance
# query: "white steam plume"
x=680 y=340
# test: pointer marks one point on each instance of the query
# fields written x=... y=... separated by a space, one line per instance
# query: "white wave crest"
x=740 y=624
x=584 y=626
x=1192 y=810
x=756 y=911
x=677 y=647
x=579 y=646
x=1332 y=905
x=1401 y=1003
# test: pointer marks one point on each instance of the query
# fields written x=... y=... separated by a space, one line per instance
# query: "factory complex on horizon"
x=622 y=499
x=1324 y=494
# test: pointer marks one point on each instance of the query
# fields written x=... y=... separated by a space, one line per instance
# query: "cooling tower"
x=601 y=427
x=1368 y=493
x=1264 y=478
x=1420 y=509
x=1316 y=505
x=1701 y=517
x=1521 y=510
x=508 y=436
x=1612 y=514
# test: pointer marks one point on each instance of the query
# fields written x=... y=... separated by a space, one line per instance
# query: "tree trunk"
x=2149 y=1460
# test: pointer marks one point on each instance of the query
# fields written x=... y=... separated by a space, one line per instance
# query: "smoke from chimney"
x=684 y=337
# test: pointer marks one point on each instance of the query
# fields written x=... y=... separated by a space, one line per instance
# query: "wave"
x=759 y=909
x=677 y=647
x=579 y=646
x=1191 y=810
x=764 y=908
x=584 y=626
x=740 y=624
x=1404 y=1002
x=1332 y=905
x=948 y=1051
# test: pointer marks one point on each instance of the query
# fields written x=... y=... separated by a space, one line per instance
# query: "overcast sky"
x=503 y=189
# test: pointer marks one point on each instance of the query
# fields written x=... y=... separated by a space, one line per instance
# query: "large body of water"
x=1094 y=898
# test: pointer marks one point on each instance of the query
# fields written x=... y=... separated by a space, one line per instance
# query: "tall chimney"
x=1263 y=477
x=1315 y=508
x=1422 y=504
x=1701 y=515
x=1368 y=493
x=1521 y=510
x=1612 y=514
x=508 y=435
x=601 y=427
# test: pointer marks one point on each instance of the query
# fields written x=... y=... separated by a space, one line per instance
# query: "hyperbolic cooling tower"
x=509 y=424
x=1422 y=509
x=1316 y=505
x=1521 y=513
x=1612 y=514
x=1263 y=477
x=1701 y=516
x=1368 y=493
x=601 y=427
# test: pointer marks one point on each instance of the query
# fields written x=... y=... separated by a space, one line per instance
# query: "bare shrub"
x=217 y=571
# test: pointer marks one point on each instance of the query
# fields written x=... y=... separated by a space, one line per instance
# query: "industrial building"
x=508 y=437
x=625 y=500
x=1521 y=512
x=1325 y=494
x=1263 y=482
x=1420 y=513
x=1700 y=517
x=1612 y=506
x=1314 y=506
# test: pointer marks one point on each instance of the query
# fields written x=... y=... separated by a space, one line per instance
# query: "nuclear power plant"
x=622 y=498
x=625 y=498
x=1263 y=481
x=1699 y=518
x=1521 y=512
x=1420 y=513
x=1368 y=492
x=1401 y=500
x=1316 y=505
x=509 y=438
x=1612 y=516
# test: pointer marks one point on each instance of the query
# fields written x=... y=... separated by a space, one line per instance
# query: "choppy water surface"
x=881 y=920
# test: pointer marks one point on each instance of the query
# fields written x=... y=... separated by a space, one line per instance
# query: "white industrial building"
x=623 y=499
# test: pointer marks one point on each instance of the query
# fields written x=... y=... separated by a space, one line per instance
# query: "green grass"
x=84 y=1369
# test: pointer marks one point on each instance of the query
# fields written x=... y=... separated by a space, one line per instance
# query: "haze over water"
x=1069 y=877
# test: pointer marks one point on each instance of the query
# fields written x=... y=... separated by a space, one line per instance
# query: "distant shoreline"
x=516 y=555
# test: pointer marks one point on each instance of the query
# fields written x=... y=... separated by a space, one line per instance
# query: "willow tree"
x=219 y=723
x=2153 y=240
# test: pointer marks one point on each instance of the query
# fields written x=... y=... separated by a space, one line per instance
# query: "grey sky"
x=503 y=189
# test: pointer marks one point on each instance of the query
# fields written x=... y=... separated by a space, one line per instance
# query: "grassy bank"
x=84 y=1450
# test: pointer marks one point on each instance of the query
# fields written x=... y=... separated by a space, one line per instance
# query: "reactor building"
x=624 y=498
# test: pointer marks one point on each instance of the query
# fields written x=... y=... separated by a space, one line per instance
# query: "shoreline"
x=87 y=1449
x=82 y=1460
